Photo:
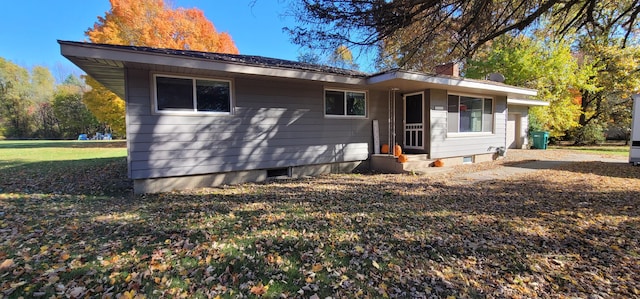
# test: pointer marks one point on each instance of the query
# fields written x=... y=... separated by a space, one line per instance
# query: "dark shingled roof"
x=233 y=58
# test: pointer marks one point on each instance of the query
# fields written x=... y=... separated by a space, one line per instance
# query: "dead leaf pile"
x=566 y=232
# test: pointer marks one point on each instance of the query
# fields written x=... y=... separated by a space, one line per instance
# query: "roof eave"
x=70 y=50
x=526 y=102
x=451 y=81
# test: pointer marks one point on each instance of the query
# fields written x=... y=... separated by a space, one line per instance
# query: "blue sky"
x=29 y=28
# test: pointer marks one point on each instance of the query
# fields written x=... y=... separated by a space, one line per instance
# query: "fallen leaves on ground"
x=566 y=232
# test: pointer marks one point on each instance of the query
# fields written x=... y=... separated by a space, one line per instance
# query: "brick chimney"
x=449 y=69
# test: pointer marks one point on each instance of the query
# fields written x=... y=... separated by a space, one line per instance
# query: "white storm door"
x=414 y=121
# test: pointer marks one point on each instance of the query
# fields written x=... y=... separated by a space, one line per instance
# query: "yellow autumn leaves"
x=151 y=24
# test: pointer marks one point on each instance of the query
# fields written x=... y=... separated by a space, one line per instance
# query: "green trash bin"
x=540 y=139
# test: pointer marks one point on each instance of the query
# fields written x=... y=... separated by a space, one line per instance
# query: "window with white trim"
x=469 y=114
x=345 y=103
x=184 y=94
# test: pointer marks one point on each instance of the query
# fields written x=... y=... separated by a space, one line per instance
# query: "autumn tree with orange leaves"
x=152 y=24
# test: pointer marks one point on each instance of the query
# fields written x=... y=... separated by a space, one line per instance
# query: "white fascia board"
x=448 y=81
x=382 y=78
x=526 y=102
x=87 y=51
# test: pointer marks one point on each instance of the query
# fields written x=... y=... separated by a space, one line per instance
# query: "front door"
x=414 y=121
x=514 y=131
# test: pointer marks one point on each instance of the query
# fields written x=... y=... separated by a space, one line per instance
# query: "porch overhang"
x=407 y=81
x=526 y=102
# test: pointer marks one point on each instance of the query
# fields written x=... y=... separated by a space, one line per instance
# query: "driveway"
x=518 y=162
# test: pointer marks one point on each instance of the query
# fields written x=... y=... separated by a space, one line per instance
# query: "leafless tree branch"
x=459 y=26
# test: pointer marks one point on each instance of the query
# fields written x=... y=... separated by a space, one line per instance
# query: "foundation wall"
x=157 y=185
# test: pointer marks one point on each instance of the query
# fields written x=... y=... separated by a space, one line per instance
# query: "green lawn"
x=83 y=167
x=70 y=227
x=37 y=151
x=615 y=150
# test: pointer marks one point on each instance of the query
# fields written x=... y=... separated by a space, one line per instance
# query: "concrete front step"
x=417 y=157
x=415 y=163
x=422 y=165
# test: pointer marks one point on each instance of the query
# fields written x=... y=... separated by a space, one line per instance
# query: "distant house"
x=202 y=119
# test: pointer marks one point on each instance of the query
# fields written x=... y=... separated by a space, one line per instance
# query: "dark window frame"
x=454 y=104
x=196 y=90
x=348 y=104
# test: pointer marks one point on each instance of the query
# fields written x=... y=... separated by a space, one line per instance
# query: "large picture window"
x=345 y=103
x=192 y=95
x=469 y=114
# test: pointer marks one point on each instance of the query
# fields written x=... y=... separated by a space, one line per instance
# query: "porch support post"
x=389 y=101
x=392 y=121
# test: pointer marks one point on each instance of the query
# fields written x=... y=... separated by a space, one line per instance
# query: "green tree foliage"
x=42 y=84
x=613 y=56
x=72 y=80
x=47 y=124
x=614 y=77
x=73 y=115
x=32 y=106
x=408 y=30
x=548 y=67
x=14 y=100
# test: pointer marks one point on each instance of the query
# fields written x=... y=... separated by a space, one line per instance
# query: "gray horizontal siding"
x=276 y=123
x=237 y=125
x=209 y=134
x=205 y=145
x=238 y=152
x=466 y=146
x=227 y=160
x=316 y=154
x=443 y=145
x=378 y=110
